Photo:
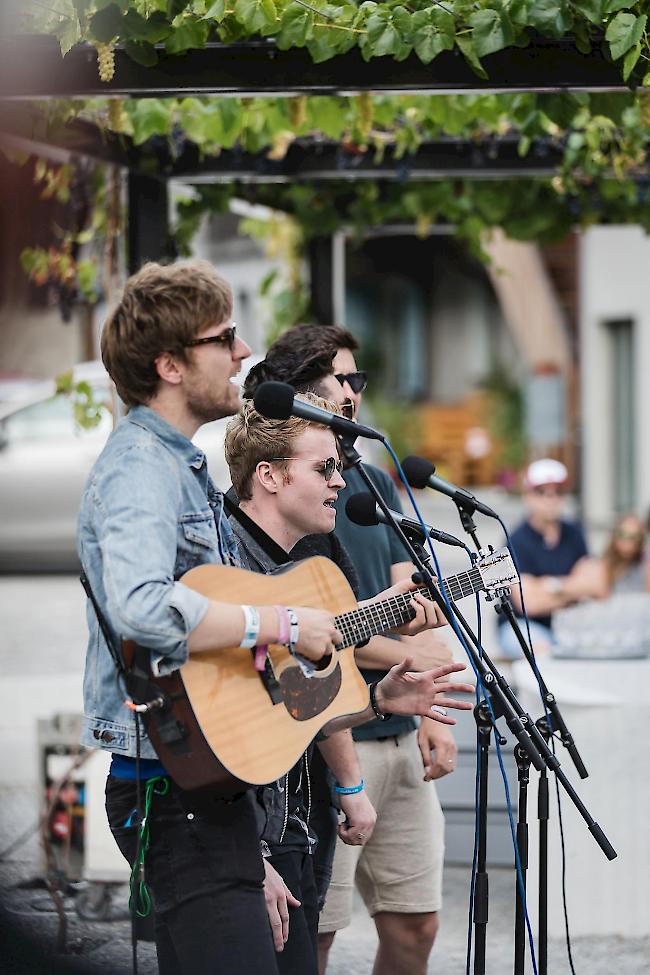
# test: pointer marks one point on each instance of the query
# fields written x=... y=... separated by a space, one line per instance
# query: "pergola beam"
x=322 y=161
x=23 y=128
x=31 y=67
x=308 y=160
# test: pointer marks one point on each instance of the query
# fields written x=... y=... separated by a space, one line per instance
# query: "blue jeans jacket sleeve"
x=137 y=523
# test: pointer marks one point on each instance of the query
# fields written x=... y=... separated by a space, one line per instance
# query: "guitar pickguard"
x=305 y=697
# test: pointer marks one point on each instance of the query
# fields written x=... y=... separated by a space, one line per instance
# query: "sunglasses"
x=357 y=381
x=227 y=337
x=325 y=467
x=629 y=536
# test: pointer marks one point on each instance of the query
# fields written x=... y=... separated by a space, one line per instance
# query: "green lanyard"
x=142 y=897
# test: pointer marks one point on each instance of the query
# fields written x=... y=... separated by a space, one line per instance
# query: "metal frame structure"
x=31 y=67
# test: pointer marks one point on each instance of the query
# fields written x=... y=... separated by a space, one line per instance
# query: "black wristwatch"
x=373 y=703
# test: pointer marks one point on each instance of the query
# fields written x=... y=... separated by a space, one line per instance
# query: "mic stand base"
x=484 y=726
x=523 y=776
x=543 y=817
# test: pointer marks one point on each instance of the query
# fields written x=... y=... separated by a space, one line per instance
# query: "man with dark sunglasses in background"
x=555 y=568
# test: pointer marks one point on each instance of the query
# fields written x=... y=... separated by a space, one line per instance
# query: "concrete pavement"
x=41 y=659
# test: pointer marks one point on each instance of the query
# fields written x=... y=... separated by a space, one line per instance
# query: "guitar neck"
x=367 y=621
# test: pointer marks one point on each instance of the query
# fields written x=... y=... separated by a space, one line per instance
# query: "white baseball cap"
x=545 y=471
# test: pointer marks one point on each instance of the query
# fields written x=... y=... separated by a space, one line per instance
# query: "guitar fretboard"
x=360 y=624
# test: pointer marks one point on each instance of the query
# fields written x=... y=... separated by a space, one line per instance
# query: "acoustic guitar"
x=222 y=723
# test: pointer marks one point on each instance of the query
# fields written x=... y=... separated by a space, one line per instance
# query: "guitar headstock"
x=498 y=572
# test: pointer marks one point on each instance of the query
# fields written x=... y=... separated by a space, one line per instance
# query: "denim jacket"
x=149 y=513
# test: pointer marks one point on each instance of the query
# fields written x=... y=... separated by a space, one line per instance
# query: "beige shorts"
x=400 y=868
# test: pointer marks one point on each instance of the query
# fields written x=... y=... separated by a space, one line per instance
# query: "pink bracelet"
x=283 y=625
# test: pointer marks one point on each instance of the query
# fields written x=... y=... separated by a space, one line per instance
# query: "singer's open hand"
x=403 y=691
x=428 y=615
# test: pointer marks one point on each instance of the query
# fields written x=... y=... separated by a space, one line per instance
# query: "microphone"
x=278 y=401
x=362 y=509
x=421 y=473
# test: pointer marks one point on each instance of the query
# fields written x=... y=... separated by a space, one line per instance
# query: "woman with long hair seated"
x=625 y=566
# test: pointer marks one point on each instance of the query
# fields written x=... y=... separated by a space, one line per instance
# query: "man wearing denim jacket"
x=149 y=513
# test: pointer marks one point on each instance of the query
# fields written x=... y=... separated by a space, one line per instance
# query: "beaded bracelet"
x=294 y=630
x=349 y=790
x=373 y=703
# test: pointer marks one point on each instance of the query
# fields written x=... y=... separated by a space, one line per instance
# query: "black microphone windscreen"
x=274 y=400
x=362 y=509
x=417 y=470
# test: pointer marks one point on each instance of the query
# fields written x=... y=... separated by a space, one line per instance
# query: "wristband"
x=344 y=790
x=284 y=631
x=251 y=627
x=373 y=703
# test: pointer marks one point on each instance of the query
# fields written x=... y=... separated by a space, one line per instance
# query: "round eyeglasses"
x=325 y=467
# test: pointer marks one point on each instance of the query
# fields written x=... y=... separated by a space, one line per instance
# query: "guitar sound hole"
x=324 y=662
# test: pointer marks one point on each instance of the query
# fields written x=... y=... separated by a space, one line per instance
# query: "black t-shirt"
x=283 y=807
x=373 y=551
x=536 y=558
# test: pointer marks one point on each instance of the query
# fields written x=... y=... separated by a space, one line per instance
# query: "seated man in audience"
x=286 y=475
x=552 y=557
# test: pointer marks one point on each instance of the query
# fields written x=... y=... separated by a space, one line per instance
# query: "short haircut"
x=252 y=438
x=162 y=308
x=301 y=356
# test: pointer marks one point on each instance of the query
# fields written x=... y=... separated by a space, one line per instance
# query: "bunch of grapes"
x=297 y=112
x=117 y=117
x=105 y=61
x=365 y=113
x=644 y=105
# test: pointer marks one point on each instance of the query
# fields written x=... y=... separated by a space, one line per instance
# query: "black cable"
x=564 y=904
x=22 y=838
x=138 y=816
x=551 y=728
x=477 y=786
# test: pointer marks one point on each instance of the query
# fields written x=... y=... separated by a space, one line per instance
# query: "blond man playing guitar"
x=287 y=474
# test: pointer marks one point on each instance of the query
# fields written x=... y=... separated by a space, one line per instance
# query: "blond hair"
x=163 y=307
x=252 y=438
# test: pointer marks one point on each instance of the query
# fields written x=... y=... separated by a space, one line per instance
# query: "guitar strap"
x=131 y=665
x=106 y=633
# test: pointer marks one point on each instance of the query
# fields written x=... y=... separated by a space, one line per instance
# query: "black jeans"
x=299 y=956
x=205 y=873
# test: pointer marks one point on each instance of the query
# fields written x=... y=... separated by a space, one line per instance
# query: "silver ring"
x=361 y=836
x=439 y=710
x=451 y=761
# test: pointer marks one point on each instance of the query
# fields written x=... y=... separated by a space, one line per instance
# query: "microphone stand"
x=503 y=700
x=503 y=605
x=545 y=726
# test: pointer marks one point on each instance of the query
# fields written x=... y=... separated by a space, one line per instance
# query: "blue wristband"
x=350 y=790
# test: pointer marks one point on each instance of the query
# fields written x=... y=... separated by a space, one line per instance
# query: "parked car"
x=45 y=458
